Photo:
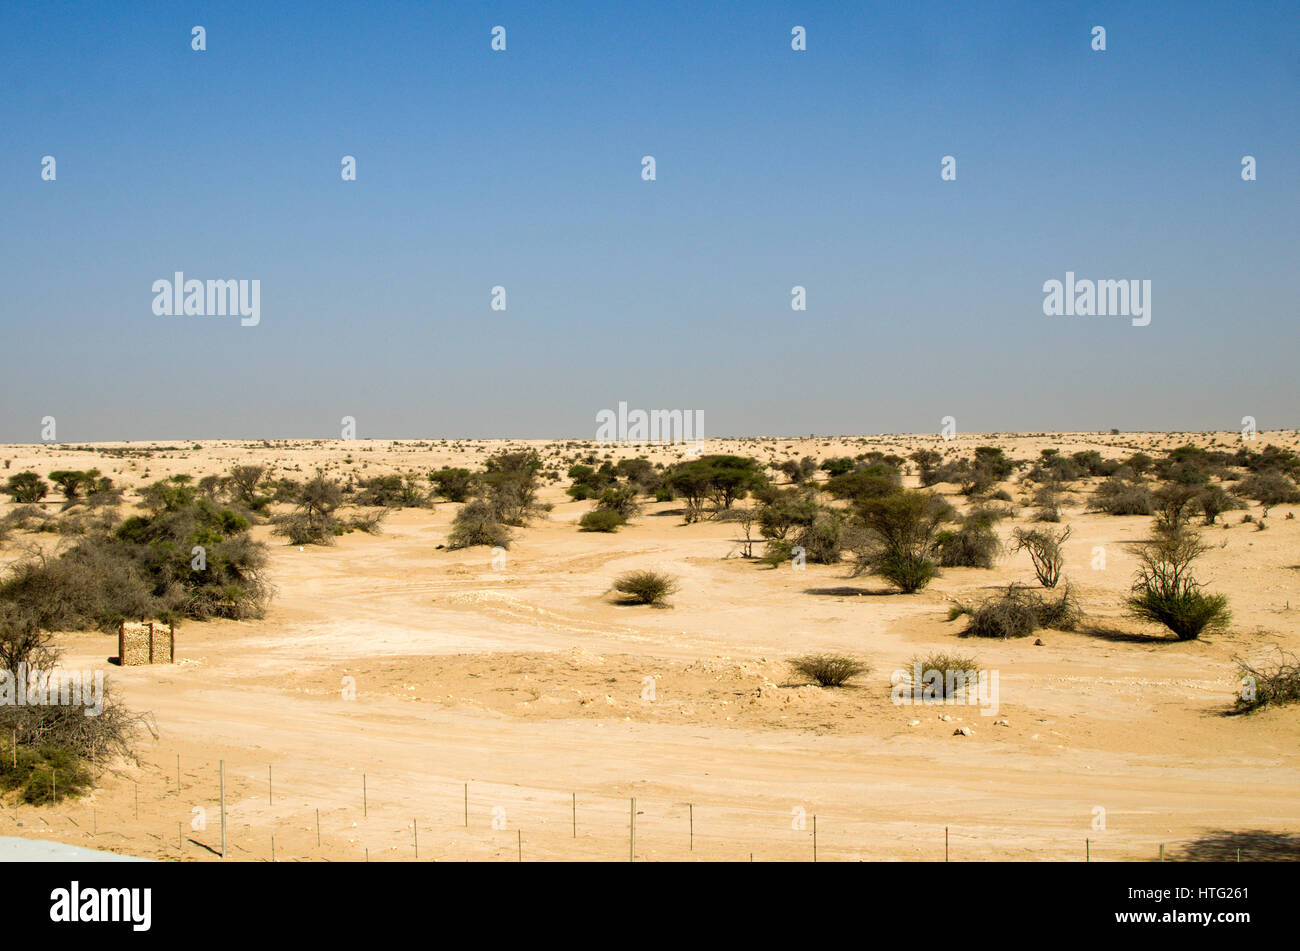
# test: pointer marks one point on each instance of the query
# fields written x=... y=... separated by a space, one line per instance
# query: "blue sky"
x=522 y=169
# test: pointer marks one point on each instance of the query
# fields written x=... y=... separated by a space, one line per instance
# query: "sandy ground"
x=516 y=711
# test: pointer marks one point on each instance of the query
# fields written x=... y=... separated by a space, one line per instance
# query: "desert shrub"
x=944 y=676
x=1139 y=462
x=312 y=522
x=867 y=482
x=837 y=466
x=454 y=484
x=1268 y=488
x=1116 y=496
x=1063 y=614
x=390 y=491
x=1047 y=498
x=1165 y=592
x=1174 y=504
x=72 y=482
x=974 y=544
x=719 y=479
x=823 y=539
x=1269 y=683
x=896 y=536
x=42 y=774
x=619 y=499
x=782 y=510
x=192 y=560
x=1213 y=502
x=589 y=482
x=641 y=474
x=1008 y=615
x=829 y=670
x=645 y=587
x=798 y=472
x=512 y=484
x=476 y=524
x=1044 y=547
x=39 y=738
x=1054 y=467
x=601 y=520
x=27 y=487
x=371 y=522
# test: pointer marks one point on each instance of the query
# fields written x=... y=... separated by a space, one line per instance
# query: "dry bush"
x=476 y=524
x=956 y=673
x=1044 y=547
x=645 y=587
x=1271 y=683
x=829 y=670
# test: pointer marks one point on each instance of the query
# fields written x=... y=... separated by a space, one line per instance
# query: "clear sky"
x=522 y=168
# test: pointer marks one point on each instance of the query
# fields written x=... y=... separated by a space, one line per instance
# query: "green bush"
x=454 y=484
x=645 y=587
x=27 y=487
x=1268 y=488
x=601 y=520
x=41 y=774
x=312 y=521
x=1165 y=592
x=974 y=545
x=896 y=536
x=1117 y=496
x=476 y=524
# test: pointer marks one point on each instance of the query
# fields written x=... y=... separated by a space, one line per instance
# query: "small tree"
x=453 y=484
x=71 y=481
x=1164 y=590
x=895 y=536
x=1044 y=547
x=244 y=482
x=27 y=487
x=313 y=522
x=1175 y=503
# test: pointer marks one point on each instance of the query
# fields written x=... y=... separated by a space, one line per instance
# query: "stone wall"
x=146 y=642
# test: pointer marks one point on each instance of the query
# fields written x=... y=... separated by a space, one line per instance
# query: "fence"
x=292 y=811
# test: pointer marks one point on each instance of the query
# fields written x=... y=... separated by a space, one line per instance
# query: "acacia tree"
x=312 y=521
x=27 y=487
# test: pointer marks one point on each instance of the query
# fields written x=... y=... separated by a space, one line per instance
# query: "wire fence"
x=207 y=809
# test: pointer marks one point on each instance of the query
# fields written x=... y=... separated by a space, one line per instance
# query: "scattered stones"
x=1002 y=723
x=962 y=731
x=915 y=723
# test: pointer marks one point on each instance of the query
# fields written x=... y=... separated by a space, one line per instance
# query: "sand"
x=516 y=712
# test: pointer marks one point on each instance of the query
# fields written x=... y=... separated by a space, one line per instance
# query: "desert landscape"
x=385 y=693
